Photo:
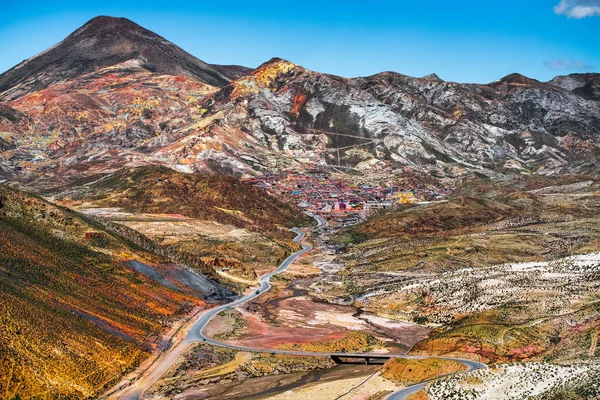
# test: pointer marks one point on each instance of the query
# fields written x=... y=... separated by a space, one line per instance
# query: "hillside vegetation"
x=160 y=190
x=212 y=223
x=482 y=223
x=73 y=318
x=406 y=372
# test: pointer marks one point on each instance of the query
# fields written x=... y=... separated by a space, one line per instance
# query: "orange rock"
x=299 y=102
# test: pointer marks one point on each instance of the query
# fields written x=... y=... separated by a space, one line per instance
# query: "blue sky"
x=464 y=41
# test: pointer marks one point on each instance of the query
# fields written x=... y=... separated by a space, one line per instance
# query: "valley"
x=504 y=313
x=122 y=295
x=514 y=312
x=176 y=229
x=416 y=283
x=229 y=325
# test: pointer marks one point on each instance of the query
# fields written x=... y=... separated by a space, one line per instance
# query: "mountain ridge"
x=130 y=112
x=102 y=25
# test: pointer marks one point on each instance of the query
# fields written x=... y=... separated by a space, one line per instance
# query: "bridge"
x=358 y=358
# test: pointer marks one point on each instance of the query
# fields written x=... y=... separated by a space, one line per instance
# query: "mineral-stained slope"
x=219 y=198
x=134 y=106
x=515 y=124
x=73 y=316
x=99 y=121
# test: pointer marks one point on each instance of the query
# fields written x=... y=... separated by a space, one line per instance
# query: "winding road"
x=196 y=334
x=405 y=392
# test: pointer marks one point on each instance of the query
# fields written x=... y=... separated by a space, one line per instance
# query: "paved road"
x=161 y=366
x=404 y=393
x=196 y=334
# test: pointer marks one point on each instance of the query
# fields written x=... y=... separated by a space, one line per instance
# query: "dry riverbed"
x=288 y=317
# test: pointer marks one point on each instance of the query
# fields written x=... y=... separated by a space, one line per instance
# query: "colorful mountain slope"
x=104 y=42
x=125 y=107
x=73 y=317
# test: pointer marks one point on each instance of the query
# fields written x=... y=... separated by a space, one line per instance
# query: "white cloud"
x=578 y=8
x=567 y=65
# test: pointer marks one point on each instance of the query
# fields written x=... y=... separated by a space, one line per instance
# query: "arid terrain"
x=75 y=316
x=519 y=381
x=496 y=273
x=175 y=229
x=236 y=230
x=121 y=284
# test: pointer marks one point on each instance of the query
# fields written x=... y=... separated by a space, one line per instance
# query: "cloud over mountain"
x=566 y=64
x=578 y=8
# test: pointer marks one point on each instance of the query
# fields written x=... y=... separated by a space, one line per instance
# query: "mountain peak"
x=106 y=20
x=433 y=77
x=275 y=61
x=276 y=66
x=517 y=79
x=104 y=23
x=586 y=85
x=105 y=26
x=103 y=42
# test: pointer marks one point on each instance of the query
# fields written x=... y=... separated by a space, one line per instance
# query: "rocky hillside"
x=495 y=269
x=141 y=100
x=390 y=120
x=482 y=223
x=75 y=316
x=114 y=116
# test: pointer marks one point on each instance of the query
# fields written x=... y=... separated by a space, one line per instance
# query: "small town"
x=322 y=194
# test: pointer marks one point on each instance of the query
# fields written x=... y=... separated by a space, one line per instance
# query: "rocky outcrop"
x=516 y=124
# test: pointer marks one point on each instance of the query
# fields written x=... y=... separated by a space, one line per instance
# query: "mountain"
x=585 y=85
x=141 y=101
x=433 y=77
x=103 y=42
x=299 y=118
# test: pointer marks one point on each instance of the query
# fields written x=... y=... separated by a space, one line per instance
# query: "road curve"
x=137 y=388
x=196 y=334
x=405 y=392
